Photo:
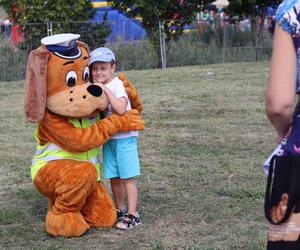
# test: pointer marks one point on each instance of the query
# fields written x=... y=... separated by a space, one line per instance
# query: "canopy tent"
x=221 y=3
x=121 y=24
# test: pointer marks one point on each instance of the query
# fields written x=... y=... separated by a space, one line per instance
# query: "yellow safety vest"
x=51 y=151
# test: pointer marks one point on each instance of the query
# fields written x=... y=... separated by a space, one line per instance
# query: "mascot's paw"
x=131 y=120
x=132 y=93
x=67 y=224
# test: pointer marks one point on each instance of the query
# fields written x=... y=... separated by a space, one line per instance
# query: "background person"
x=281 y=95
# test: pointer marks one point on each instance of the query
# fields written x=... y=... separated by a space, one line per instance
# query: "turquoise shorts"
x=120 y=158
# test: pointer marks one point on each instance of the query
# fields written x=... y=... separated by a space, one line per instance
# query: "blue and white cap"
x=102 y=54
x=63 y=45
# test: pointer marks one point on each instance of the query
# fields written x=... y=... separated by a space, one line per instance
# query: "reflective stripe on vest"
x=51 y=151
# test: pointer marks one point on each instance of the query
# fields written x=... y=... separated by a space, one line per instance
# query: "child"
x=120 y=154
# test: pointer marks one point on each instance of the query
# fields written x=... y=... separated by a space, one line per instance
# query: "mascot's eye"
x=71 y=78
x=86 y=74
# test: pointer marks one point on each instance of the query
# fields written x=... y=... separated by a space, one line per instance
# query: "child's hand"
x=104 y=88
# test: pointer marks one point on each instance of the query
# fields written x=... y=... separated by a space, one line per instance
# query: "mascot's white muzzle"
x=78 y=101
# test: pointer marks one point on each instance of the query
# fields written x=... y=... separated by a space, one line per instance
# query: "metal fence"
x=203 y=42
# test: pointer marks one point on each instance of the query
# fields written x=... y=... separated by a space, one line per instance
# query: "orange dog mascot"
x=65 y=106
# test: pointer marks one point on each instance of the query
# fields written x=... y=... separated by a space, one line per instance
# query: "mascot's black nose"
x=94 y=90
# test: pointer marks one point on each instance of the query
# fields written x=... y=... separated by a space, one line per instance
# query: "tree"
x=256 y=11
x=40 y=11
x=172 y=14
x=37 y=12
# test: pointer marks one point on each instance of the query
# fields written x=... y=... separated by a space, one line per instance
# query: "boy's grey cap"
x=101 y=54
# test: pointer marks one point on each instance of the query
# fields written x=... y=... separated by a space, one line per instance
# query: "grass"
x=201 y=185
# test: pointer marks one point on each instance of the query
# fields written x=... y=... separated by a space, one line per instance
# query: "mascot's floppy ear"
x=36 y=84
x=84 y=45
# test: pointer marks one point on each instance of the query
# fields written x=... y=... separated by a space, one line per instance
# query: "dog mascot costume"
x=65 y=106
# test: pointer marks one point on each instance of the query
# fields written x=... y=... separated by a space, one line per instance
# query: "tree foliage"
x=256 y=11
x=32 y=15
x=250 y=8
x=40 y=11
x=172 y=14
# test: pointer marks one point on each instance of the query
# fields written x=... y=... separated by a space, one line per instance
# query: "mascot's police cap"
x=63 y=45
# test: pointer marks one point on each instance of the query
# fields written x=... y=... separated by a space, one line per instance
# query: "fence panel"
x=203 y=42
x=218 y=41
x=14 y=50
x=131 y=52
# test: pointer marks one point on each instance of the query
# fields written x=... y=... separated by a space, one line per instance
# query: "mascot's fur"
x=76 y=200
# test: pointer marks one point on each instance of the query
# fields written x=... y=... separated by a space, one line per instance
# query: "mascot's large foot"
x=66 y=224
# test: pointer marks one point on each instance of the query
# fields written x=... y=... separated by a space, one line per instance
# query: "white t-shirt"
x=116 y=86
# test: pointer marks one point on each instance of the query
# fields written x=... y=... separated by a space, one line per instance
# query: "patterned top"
x=288 y=16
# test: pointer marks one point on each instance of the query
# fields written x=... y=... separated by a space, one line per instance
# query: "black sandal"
x=121 y=214
x=129 y=221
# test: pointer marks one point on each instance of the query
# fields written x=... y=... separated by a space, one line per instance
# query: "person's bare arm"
x=280 y=95
x=118 y=104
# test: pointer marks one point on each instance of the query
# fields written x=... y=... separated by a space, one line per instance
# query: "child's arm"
x=118 y=104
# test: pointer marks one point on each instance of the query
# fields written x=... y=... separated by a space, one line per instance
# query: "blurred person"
x=7 y=28
x=284 y=114
x=1 y=25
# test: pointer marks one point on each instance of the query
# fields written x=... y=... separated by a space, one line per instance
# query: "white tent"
x=221 y=3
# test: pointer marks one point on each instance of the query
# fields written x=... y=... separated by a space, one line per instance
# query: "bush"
x=134 y=54
x=207 y=46
x=12 y=61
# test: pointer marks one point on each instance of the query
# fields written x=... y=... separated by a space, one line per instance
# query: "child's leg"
x=118 y=190
x=131 y=194
x=132 y=218
x=128 y=168
x=111 y=172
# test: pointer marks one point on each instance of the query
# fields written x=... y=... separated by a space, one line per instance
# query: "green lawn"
x=201 y=153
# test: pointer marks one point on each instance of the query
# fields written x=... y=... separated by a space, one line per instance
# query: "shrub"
x=134 y=54
x=12 y=61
